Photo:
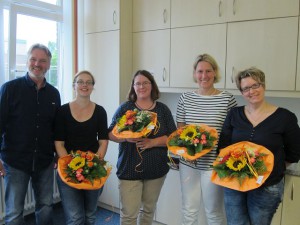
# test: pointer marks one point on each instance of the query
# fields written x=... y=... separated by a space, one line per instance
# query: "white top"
x=211 y=110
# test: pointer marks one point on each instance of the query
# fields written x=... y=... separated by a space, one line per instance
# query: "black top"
x=279 y=133
x=26 y=123
x=154 y=160
x=82 y=136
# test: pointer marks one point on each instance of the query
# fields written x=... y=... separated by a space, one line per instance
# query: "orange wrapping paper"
x=248 y=183
x=182 y=151
x=85 y=185
x=129 y=134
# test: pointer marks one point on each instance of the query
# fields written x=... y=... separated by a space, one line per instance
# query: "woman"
x=81 y=125
x=141 y=175
x=207 y=105
x=270 y=126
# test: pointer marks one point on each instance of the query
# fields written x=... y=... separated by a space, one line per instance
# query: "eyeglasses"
x=144 y=84
x=253 y=87
x=87 y=83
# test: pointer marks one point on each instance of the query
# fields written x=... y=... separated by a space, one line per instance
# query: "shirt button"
x=37 y=126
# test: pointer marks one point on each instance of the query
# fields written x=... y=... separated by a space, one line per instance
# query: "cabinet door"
x=270 y=45
x=168 y=210
x=151 y=51
x=260 y=9
x=298 y=65
x=291 y=201
x=101 y=15
x=151 y=15
x=277 y=217
x=187 y=44
x=101 y=55
x=197 y=12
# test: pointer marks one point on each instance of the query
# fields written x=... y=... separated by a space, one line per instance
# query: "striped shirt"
x=211 y=110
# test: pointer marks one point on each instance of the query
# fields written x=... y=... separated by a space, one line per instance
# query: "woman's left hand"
x=145 y=143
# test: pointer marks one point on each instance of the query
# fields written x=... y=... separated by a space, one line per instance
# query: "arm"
x=2 y=171
x=103 y=144
x=60 y=148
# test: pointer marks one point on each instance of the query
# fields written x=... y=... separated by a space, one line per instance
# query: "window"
x=25 y=22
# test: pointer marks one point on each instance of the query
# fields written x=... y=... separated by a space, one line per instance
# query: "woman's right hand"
x=2 y=171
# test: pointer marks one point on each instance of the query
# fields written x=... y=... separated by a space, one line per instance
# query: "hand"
x=2 y=171
x=144 y=143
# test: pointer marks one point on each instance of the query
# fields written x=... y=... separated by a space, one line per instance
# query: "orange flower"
x=89 y=155
x=237 y=153
x=90 y=164
x=130 y=113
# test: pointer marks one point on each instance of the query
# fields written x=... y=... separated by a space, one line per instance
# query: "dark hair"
x=41 y=47
x=83 y=72
x=209 y=59
x=254 y=73
x=154 y=91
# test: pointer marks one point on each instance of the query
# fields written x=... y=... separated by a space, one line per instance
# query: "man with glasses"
x=27 y=109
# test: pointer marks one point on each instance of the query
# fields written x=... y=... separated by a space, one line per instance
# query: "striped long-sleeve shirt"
x=211 y=110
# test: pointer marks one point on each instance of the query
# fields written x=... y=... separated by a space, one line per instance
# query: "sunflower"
x=236 y=164
x=188 y=134
x=77 y=163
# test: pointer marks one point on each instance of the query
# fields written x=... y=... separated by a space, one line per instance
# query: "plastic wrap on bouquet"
x=192 y=141
x=123 y=130
x=242 y=166
x=85 y=184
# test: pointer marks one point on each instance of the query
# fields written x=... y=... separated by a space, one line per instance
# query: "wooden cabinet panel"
x=270 y=45
x=151 y=15
x=96 y=19
x=151 y=51
x=185 y=48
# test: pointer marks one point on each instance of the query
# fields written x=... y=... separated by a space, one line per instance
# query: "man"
x=27 y=109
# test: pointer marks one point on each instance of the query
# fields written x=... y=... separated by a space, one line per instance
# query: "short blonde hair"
x=256 y=74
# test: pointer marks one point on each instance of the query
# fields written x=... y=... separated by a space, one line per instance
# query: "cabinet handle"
x=164 y=77
x=232 y=74
x=292 y=192
x=114 y=17
x=165 y=15
x=233 y=7
x=220 y=13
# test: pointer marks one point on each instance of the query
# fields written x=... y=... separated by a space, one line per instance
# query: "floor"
x=104 y=217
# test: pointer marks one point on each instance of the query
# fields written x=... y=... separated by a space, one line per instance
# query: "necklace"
x=141 y=108
x=214 y=92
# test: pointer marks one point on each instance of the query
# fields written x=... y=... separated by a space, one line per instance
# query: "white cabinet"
x=270 y=45
x=168 y=210
x=298 y=66
x=197 y=12
x=108 y=55
x=151 y=15
x=151 y=51
x=238 y=10
x=291 y=201
x=185 y=48
x=101 y=15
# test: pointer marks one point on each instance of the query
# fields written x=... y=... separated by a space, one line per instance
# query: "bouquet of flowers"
x=242 y=166
x=135 y=124
x=83 y=170
x=192 y=141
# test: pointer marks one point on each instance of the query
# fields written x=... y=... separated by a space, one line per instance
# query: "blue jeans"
x=16 y=185
x=80 y=206
x=255 y=207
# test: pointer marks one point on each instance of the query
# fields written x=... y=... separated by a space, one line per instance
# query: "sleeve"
x=169 y=121
x=291 y=139
x=59 y=127
x=226 y=132
x=102 y=129
x=232 y=102
x=4 y=109
x=180 y=113
x=119 y=112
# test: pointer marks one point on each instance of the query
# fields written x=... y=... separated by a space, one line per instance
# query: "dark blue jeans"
x=16 y=185
x=255 y=207
x=80 y=206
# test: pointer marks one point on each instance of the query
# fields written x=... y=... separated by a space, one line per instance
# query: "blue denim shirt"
x=26 y=123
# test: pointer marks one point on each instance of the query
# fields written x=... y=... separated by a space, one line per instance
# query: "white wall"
x=292 y=104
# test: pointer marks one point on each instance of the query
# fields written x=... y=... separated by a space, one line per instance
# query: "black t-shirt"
x=82 y=136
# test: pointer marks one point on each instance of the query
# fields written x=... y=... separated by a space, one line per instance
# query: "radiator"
x=29 y=199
